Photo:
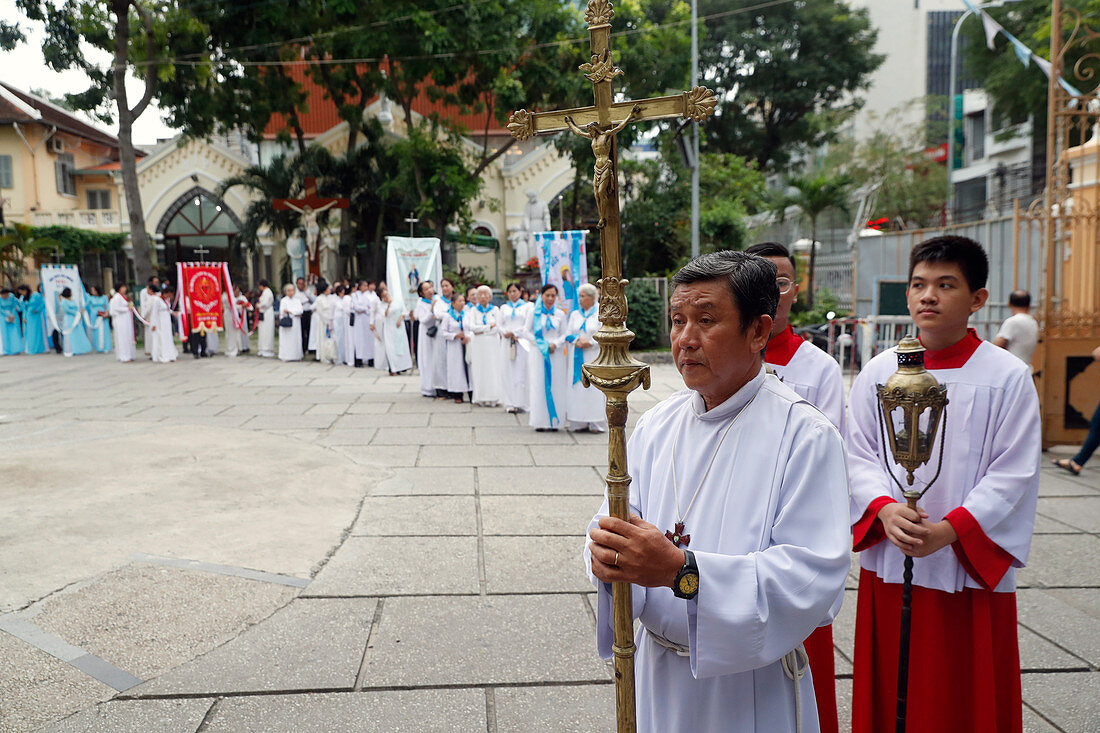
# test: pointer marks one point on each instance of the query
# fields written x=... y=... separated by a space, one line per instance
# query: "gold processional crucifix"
x=614 y=372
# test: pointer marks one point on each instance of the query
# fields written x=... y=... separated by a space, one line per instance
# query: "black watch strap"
x=686 y=584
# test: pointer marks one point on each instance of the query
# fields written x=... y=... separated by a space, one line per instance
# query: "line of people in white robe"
x=507 y=350
x=364 y=327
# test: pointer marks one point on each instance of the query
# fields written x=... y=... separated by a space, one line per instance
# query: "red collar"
x=781 y=348
x=955 y=355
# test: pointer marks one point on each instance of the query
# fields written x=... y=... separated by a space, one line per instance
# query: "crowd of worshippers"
x=524 y=354
x=752 y=487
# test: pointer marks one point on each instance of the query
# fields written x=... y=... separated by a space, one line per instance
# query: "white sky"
x=24 y=68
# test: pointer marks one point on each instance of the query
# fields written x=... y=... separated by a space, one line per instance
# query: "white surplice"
x=290 y=339
x=424 y=316
x=163 y=349
x=396 y=339
x=450 y=331
x=266 y=339
x=587 y=405
x=538 y=404
x=810 y=372
x=484 y=354
x=241 y=304
x=991 y=469
x=769 y=532
x=122 y=326
x=232 y=333
x=513 y=354
x=362 y=338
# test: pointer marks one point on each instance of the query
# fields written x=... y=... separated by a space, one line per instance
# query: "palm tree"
x=16 y=246
x=277 y=180
x=814 y=195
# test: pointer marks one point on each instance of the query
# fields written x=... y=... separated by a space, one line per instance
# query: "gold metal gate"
x=1068 y=220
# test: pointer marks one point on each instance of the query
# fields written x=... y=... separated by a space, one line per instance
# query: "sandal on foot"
x=1068 y=465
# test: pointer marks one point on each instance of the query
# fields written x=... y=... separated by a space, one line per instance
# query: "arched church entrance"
x=199 y=226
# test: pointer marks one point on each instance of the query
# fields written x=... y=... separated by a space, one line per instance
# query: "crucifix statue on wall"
x=614 y=372
x=317 y=254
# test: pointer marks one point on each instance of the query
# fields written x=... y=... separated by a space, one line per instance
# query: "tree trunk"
x=813 y=261
x=143 y=261
x=345 y=215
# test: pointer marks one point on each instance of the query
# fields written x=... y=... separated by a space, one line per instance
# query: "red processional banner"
x=201 y=285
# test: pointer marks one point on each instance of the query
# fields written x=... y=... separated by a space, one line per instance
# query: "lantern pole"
x=914 y=390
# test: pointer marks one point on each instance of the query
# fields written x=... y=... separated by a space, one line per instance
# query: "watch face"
x=689 y=584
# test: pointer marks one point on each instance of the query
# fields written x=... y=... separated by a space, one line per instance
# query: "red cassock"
x=964 y=663
x=816 y=377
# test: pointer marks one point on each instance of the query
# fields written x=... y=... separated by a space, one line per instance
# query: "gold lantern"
x=920 y=398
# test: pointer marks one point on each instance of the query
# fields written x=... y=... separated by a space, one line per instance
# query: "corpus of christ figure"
x=310 y=207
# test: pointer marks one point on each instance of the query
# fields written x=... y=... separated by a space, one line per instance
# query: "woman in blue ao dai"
x=99 y=318
x=73 y=336
x=35 y=335
x=11 y=327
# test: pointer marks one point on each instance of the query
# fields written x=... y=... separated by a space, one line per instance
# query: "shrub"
x=644 y=316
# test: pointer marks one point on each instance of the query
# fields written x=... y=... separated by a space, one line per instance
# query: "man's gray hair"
x=588 y=289
x=750 y=279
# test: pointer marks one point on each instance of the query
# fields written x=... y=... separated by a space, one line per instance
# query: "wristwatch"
x=686 y=584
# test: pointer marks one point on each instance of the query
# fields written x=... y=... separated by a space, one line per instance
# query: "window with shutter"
x=6 y=172
x=65 y=171
x=99 y=198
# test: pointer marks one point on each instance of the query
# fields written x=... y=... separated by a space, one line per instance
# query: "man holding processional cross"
x=761 y=561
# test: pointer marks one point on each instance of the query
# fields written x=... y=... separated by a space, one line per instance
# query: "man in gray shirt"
x=1019 y=333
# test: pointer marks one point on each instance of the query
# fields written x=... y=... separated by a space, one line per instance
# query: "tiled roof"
x=322 y=115
x=54 y=116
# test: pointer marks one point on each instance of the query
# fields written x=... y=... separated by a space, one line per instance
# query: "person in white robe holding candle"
x=547 y=370
x=737 y=547
x=586 y=410
x=122 y=324
x=266 y=307
x=340 y=312
x=513 y=350
x=378 y=330
x=290 y=336
x=480 y=323
x=453 y=339
x=427 y=333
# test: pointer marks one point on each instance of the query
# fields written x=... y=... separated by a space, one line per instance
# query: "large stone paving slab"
x=1082 y=513
x=131 y=716
x=576 y=455
x=535 y=565
x=427 y=480
x=1061 y=561
x=538 y=480
x=480 y=417
x=404 y=711
x=415 y=516
x=388 y=435
x=520 y=435
x=146 y=619
x=558 y=709
x=36 y=688
x=1070 y=701
x=538 y=515
x=476 y=455
x=385 y=566
x=1069 y=618
x=310 y=644
x=483 y=640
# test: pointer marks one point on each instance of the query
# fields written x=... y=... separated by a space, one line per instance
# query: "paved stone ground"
x=239 y=545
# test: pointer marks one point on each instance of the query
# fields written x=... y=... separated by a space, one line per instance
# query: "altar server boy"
x=973 y=529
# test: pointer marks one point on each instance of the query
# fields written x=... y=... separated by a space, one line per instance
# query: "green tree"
x=787 y=75
x=892 y=166
x=813 y=195
x=140 y=38
x=16 y=246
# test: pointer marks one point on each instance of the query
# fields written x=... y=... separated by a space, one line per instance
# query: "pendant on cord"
x=677 y=537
